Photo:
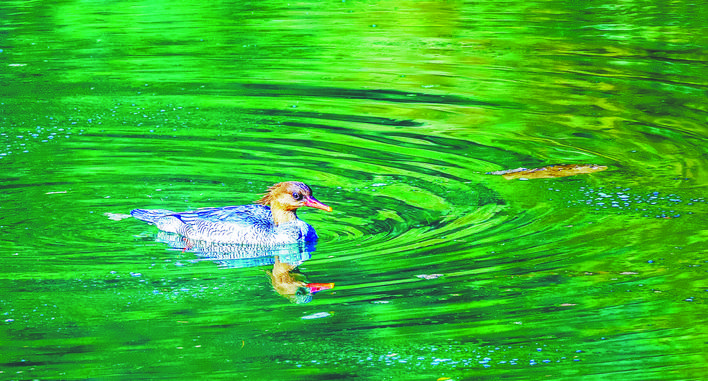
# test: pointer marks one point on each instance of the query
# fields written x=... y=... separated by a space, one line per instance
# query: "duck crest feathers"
x=270 y=195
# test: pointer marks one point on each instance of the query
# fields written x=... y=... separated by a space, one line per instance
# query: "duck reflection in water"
x=292 y=284
x=285 y=259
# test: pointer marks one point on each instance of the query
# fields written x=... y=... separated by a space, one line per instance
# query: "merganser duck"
x=270 y=221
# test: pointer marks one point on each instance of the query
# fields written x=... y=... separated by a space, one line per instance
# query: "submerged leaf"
x=429 y=276
x=117 y=216
x=318 y=315
x=550 y=171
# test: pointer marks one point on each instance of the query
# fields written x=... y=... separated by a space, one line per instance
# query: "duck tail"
x=150 y=215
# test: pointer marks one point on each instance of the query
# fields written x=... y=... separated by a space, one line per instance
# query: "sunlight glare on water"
x=394 y=114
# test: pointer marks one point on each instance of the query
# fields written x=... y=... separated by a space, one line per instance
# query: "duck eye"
x=297 y=196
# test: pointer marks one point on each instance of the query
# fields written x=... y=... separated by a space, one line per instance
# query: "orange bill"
x=312 y=202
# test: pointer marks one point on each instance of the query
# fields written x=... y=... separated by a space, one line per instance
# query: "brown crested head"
x=291 y=195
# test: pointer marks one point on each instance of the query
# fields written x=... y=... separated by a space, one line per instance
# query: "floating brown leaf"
x=550 y=171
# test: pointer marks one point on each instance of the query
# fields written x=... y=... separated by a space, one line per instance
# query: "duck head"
x=286 y=197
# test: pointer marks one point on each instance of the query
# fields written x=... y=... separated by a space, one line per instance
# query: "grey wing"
x=242 y=214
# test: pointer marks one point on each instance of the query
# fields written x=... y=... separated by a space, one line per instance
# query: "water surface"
x=393 y=112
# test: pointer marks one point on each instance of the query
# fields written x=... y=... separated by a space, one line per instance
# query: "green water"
x=393 y=112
